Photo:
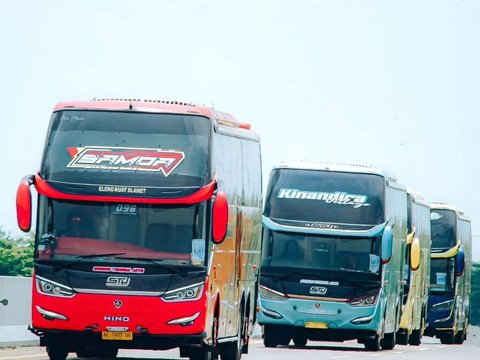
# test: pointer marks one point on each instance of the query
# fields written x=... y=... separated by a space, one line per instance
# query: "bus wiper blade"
x=84 y=257
x=363 y=284
x=158 y=262
x=284 y=276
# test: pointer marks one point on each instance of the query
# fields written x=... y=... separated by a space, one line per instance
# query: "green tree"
x=16 y=254
x=475 y=295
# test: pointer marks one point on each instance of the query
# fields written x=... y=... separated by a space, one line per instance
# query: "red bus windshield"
x=173 y=234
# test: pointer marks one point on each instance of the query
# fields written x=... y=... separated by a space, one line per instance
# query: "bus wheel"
x=300 y=341
x=447 y=338
x=85 y=354
x=388 y=341
x=403 y=337
x=56 y=352
x=193 y=353
x=460 y=337
x=270 y=336
x=234 y=350
x=372 y=344
x=107 y=353
x=416 y=337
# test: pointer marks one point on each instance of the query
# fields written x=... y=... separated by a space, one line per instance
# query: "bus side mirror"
x=387 y=244
x=460 y=262
x=219 y=217
x=24 y=204
x=415 y=254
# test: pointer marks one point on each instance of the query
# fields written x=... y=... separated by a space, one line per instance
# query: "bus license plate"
x=316 y=325
x=117 y=335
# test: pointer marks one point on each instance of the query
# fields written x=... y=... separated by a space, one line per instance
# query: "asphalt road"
x=431 y=349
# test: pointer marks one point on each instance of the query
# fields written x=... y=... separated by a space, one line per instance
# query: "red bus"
x=148 y=230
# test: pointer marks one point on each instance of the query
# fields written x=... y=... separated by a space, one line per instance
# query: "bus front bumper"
x=320 y=315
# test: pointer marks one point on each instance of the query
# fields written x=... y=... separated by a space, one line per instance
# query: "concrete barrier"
x=15 y=311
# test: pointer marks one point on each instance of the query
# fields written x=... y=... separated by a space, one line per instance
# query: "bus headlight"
x=51 y=288
x=188 y=293
x=364 y=300
x=270 y=294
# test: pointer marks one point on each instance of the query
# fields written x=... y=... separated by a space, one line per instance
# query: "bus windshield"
x=127 y=153
x=443 y=228
x=442 y=275
x=172 y=234
x=312 y=198
x=354 y=254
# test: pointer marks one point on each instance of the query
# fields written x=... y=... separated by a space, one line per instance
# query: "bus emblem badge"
x=318 y=290
x=118 y=304
x=118 y=281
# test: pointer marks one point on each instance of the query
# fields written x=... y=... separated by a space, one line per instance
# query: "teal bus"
x=333 y=255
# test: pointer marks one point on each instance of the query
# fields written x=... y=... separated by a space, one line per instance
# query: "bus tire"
x=300 y=341
x=270 y=338
x=447 y=338
x=388 y=341
x=234 y=349
x=56 y=352
x=202 y=353
x=107 y=353
x=416 y=337
x=372 y=344
x=85 y=354
x=460 y=337
x=402 y=337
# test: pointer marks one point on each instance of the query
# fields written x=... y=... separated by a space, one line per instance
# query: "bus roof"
x=418 y=198
x=443 y=206
x=156 y=106
x=339 y=167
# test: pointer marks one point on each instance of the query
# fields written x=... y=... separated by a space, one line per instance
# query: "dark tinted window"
x=127 y=148
x=442 y=277
x=327 y=197
x=355 y=254
x=443 y=228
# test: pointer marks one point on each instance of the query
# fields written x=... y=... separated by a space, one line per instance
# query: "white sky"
x=396 y=85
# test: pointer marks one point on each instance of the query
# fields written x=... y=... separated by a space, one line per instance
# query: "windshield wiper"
x=284 y=276
x=158 y=263
x=81 y=258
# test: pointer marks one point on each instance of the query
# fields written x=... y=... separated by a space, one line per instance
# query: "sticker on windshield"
x=127 y=159
x=435 y=216
x=198 y=250
x=124 y=209
x=374 y=263
x=441 y=278
x=337 y=197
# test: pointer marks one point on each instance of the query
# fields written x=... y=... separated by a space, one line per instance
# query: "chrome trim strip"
x=271 y=313
x=184 y=319
x=363 y=319
x=297 y=229
x=228 y=339
x=119 y=292
x=50 y=314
